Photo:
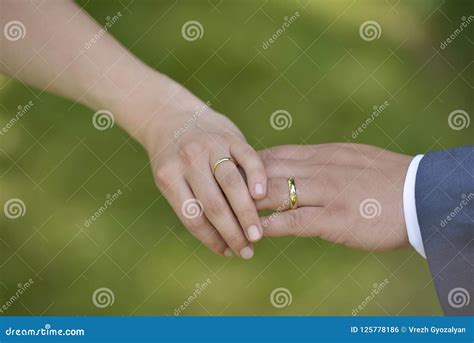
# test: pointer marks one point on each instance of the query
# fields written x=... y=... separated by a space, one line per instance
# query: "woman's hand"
x=184 y=140
x=183 y=137
x=347 y=193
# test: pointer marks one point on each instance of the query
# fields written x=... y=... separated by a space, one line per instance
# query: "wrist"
x=152 y=108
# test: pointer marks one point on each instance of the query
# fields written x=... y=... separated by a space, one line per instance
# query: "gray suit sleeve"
x=444 y=193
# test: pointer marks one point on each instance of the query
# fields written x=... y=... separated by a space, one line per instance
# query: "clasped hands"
x=347 y=193
x=350 y=194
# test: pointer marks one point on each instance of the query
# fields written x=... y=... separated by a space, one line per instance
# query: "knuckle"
x=272 y=167
x=236 y=239
x=256 y=172
x=215 y=207
x=164 y=175
x=191 y=150
x=251 y=159
x=194 y=225
x=210 y=238
x=243 y=148
x=295 y=219
x=273 y=188
x=231 y=137
x=217 y=245
x=246 y=213
x=229 y=178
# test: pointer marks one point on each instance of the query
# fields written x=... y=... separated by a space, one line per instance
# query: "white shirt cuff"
x=409 y=207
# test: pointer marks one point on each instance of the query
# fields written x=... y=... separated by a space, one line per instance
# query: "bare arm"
x=57 y=55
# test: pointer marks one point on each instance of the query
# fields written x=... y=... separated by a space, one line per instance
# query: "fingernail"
x=228 y=252
x=246 y=253
x=259 y=188
x=254 y=233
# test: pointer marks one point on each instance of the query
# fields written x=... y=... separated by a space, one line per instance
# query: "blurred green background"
x=319 y=70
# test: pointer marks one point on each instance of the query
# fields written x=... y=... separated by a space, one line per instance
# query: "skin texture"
x=349 y=194
x=151 y=107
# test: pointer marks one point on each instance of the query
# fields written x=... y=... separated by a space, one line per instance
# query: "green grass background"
x=62 y=168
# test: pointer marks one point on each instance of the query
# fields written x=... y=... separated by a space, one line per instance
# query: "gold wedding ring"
x=293 y=193
x=219 y=161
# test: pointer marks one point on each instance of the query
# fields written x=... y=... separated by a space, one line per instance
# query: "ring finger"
x=217 y=210
x=310 y=192
x=239 y=198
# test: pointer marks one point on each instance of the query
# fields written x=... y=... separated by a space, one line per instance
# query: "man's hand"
x=347 y=193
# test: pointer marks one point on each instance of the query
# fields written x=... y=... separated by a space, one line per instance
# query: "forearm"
x=55 y=56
